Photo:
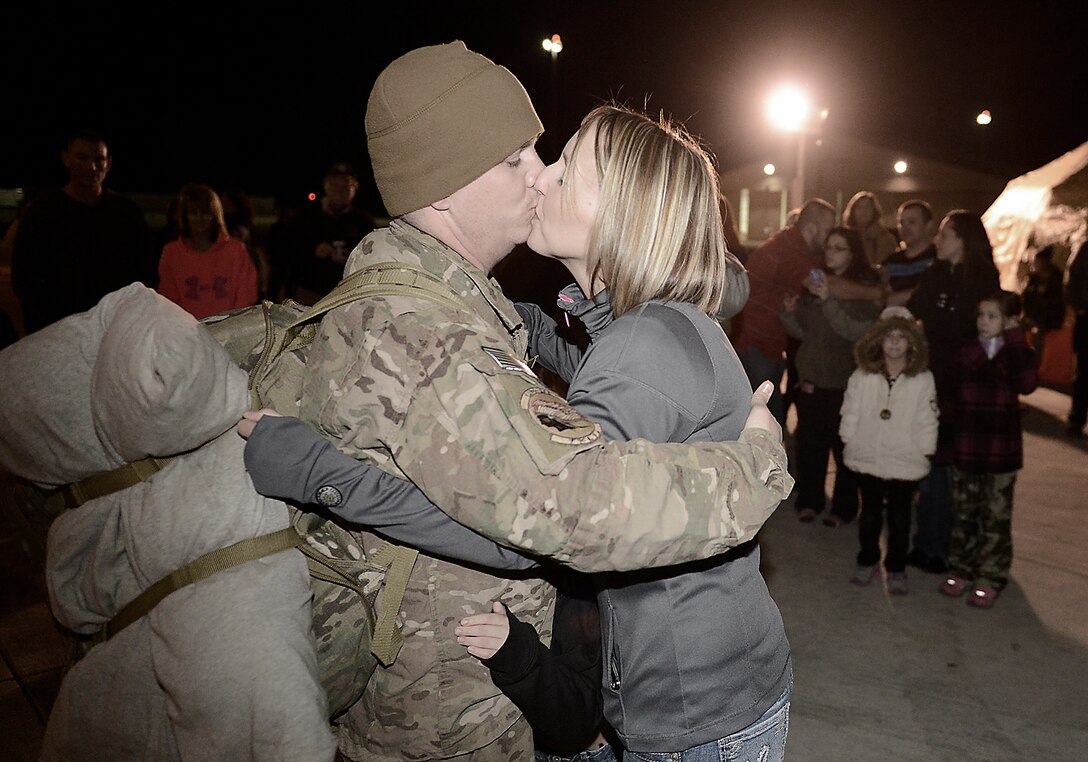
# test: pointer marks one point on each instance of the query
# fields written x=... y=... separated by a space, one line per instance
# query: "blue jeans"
x=762 y=741
x=934 y=513
x=603 y=754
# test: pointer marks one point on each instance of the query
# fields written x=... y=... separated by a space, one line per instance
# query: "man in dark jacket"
x=77 y=243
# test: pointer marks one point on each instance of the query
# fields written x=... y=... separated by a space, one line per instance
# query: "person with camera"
x=777 y=269
x=827 y=327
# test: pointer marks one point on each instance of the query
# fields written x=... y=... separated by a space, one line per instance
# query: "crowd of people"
x=918 y=405
x=72 y=245
x=902 y=355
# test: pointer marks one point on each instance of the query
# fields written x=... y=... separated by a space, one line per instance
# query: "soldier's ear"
x=441 y=205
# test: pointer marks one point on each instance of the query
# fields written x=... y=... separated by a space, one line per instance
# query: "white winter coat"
x=896 y=448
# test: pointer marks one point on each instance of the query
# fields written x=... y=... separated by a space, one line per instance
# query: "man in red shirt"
x=776 y=269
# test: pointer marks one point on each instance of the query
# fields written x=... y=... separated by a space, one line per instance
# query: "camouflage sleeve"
x=501 y=453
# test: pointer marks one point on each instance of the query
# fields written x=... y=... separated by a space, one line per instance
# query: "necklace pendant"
x=885 y=414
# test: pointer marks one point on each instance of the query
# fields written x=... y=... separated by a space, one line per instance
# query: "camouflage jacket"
x=444 y=398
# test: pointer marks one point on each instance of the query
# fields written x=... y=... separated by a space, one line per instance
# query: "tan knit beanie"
x=439 y=117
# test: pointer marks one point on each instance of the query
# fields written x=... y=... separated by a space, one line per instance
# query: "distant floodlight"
x=984 y=118
x=787 y=108
x=769 y=169
x=553 y=44
x=900 y=166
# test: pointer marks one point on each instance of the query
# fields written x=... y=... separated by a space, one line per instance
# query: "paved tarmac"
x=878 y=678
x=926 y=677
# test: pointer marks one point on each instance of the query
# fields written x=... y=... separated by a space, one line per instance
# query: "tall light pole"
x=554 y=45
x=789 y=110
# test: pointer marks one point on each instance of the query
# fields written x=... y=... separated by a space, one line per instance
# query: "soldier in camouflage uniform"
x=445 y=398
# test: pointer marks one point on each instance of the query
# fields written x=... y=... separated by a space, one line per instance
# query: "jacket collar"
x=438 y=257
x=595 y=313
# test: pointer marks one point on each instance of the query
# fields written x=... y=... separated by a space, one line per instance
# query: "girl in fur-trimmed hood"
x=869 y=349
x=889 y=432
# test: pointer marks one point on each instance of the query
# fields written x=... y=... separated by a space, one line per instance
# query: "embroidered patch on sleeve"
x=564 y=424
x=328 y=496
x=507 y=361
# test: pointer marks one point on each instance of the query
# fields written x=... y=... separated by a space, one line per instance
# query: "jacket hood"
x=869 y=349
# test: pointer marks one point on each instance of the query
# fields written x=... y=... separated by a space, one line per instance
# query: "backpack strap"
x=76 y=494
x=385 y=279
x=387 y=639
x=397 y=560
x=197 y=570
x=378 y=279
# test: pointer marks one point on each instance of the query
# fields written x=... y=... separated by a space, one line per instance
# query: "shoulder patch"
x=507 y=361
x=564 y=424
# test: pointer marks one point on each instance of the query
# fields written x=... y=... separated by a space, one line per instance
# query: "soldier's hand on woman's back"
x=760 y=416
x=250 y=418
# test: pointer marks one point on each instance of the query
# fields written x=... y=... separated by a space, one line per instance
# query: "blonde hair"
x=658 y=231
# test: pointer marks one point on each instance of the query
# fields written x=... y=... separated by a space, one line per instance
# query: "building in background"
x=836 y=168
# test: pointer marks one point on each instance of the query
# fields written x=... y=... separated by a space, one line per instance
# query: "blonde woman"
x=696 y=660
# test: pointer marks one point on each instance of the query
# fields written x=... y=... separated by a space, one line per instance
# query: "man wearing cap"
x=323 y=233
x=443 y=396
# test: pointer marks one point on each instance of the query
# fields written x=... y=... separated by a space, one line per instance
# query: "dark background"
x=265 y=99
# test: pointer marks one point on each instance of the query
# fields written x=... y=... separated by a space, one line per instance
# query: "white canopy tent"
x=1048 y=205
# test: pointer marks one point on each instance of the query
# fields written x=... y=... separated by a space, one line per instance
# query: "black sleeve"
x=557 y=689
x=287 y=459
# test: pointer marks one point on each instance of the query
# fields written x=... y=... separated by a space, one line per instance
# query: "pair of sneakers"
x=982 y=596
x=896 y=581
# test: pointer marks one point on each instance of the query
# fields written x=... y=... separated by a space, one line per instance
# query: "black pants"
x=818 y=437
x=877 y=495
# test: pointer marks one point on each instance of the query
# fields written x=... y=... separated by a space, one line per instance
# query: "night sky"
x=265 y=100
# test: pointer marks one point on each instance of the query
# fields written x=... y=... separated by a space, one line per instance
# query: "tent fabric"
x=1048 y=205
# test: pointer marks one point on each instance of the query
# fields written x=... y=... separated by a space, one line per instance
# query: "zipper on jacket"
x=614 y=677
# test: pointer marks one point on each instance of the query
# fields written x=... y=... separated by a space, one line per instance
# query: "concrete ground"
x=878 y=678
x=926 y=677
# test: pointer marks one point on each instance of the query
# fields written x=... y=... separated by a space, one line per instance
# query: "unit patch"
x=564 y=424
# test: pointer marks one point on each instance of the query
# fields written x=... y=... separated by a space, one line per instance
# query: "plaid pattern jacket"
x=985 y=409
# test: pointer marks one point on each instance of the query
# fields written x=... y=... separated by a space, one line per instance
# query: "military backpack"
x=353 y=627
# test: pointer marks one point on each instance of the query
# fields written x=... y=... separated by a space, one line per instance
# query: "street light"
x=789 y=109
x=554 y=45
x=983 y=119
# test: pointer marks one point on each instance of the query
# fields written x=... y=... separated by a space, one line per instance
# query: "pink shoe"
x=955 y=586
x=982 y=597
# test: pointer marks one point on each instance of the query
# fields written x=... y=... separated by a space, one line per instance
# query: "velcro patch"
x=507 y=361
x=564 y=424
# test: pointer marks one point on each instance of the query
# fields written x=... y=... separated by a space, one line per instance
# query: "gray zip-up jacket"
x=698 y=651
